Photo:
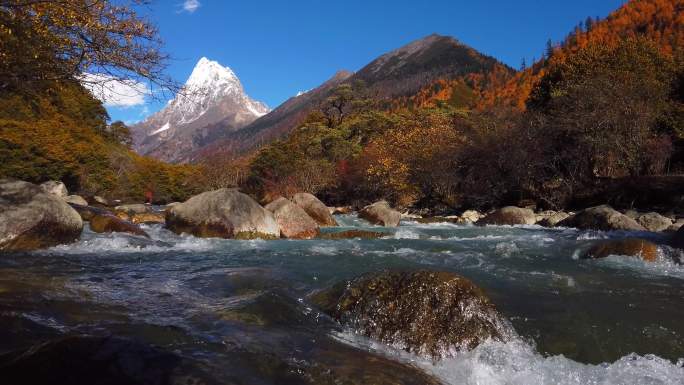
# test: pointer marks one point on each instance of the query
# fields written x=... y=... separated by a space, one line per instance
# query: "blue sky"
x=279 y=47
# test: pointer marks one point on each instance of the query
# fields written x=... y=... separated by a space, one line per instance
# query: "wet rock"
x=632 y=214
x=654 y=222
x=632 y=247
x=554 y=219
x=676 y=226
x=293 y=221
x=137 y=208
x=223 y=213
x=427 y=313
x=380 y=213
x=352 y=234
x=100 y=200
x=148 y=218
x=98 y=361
x=32 y=219
x=55 y=187
x=111 y=224
x=429 y=220
x=315 y=208
x=471 y=216
x=76 y=199
x=509 y=215
x=342 y=210
x=88 y=212
x=603 y=218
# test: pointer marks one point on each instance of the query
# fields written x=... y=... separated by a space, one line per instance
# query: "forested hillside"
x=604 y=106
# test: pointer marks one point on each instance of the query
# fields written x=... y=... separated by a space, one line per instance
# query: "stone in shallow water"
x=380 y=213
x=223 y=213
x=293 y=221
x=111 y=224
x=315 y=208
x=32 y=219
x=603 y=218
x=424 y=312
x=632 y=247
x=509 y=215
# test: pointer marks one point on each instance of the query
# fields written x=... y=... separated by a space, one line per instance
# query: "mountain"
x=212 y=94
x=396 y=74
x=276 y=124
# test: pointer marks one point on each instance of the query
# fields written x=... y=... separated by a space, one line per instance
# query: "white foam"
x=517 y=363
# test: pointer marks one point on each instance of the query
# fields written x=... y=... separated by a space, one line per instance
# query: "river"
x=240 y=309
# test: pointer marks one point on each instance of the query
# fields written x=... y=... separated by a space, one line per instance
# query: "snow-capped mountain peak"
x=209 y=73
x=212 y=94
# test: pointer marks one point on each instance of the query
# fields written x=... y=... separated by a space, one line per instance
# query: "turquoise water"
x=614 y=321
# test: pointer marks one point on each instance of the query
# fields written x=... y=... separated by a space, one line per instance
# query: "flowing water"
x=240 y=307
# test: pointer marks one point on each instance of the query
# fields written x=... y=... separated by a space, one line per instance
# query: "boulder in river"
x=223 y=213
x=98 y=361
x=423 y=312
x=380 y=213
x=654 y=222
x=88 y=212
x=55 y=187
x=98 y=200
x=632 y=247
x=76 y=199
x=603 y=218
x=679 y=223
x=293 y=221
x=509 y=215
x=554 y=219
x=315 y=208
x=32 y=219
x=136 y=208
x=148 y=218
x=471 y=216
x=112 y=224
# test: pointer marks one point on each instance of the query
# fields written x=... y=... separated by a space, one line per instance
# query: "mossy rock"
x=427 y=313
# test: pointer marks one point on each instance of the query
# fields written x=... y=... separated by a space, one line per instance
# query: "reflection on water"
x=238 y=308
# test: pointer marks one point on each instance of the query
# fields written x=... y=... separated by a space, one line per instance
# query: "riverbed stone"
x=654 y=222
x=96 y=199
x=380 y=213
x=676 y=225
x=428 y=313
x=148 y=218
x=632 y=247
x=315 y=208
x=509 y=215
x=223 y=213
x=293 y=221
x=603 y=218
x=554 y=219
x=113 y=224
x=471 y=216
x=135 y=208
x=76 y=199
x=32 y=219
x=55 y=187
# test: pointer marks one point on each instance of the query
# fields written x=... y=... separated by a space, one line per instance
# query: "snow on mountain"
x=212 y=94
